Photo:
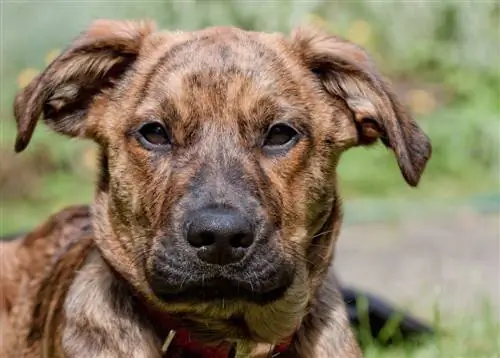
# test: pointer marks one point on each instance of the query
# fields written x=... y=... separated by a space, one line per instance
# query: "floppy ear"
x=65 y=90
x=346 y=71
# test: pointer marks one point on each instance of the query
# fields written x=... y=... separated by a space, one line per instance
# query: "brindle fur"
x=217 y=90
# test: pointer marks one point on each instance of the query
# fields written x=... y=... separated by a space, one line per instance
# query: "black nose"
x=220 y=236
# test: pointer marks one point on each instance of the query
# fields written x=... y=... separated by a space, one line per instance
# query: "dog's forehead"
x=217 y=64
x=222 y=50
x=212 y=45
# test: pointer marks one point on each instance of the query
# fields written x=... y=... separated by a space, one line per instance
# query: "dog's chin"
x=206 y=286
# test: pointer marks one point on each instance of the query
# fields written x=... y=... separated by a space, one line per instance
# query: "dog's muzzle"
x=220 y=254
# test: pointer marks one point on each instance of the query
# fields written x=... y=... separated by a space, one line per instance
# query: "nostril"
x=241 y=239
x=205 y=238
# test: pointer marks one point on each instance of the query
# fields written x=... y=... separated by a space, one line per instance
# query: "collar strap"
x=181 y=339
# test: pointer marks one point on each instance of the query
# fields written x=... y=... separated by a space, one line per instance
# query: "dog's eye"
x=281 y=136
x=153 y=134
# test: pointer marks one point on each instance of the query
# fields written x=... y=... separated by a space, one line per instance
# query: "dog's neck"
x=182 y=336
x=179 y=339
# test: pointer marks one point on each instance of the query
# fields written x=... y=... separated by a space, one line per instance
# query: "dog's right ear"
x=65 y=90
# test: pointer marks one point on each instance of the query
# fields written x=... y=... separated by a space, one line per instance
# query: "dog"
x=216 y=210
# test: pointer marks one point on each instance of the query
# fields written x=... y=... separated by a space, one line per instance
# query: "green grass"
x=474 y=336
x=462 y=335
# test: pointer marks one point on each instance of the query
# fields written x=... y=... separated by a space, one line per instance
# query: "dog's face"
x=219 y=148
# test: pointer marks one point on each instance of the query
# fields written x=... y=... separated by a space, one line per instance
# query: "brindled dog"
x=216 y=211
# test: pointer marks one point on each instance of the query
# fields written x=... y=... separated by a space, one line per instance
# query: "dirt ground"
x=451 y=261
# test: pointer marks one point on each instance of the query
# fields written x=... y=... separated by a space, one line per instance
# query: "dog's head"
x=217 y=193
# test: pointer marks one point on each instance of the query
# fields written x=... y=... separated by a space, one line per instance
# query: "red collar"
x=184 y=341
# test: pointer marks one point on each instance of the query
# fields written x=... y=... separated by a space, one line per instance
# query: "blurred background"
x=434 y=250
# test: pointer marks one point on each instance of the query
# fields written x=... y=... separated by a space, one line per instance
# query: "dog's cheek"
x=125 y=207
x=321 y=184
x=309 y=201
x=127 y=217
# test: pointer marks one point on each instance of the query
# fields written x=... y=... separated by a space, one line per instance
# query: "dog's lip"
x=217 y=286
x=220 y=288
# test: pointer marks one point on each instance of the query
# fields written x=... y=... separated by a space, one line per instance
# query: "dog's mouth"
x=249 y=285
x=223 y=289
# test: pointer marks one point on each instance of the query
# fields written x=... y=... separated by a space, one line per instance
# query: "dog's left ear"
x=346 y=71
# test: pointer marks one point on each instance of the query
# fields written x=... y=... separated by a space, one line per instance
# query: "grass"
x=462 y=336
x=475 y=336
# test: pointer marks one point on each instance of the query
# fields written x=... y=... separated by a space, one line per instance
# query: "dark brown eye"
x=281 y=136
x=153 y=135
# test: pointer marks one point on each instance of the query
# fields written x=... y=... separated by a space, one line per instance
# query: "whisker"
x=322 y=233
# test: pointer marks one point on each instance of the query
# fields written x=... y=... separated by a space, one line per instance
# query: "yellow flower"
x=26 y=76
x=317 y=20
x=360 y=32
x=90 y=158
x=52 y=55
x=321 y=22
x=421 y=102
